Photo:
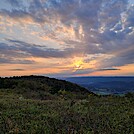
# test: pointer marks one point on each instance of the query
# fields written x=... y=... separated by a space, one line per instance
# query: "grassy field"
x=91 y=115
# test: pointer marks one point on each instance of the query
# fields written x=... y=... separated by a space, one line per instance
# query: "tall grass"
x=92 y=115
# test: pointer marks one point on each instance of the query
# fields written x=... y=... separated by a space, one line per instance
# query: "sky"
x=63 y=38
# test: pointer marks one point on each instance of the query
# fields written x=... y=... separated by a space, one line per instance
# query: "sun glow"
x=78 y=64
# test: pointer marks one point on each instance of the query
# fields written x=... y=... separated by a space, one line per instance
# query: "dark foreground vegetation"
x=40 y=105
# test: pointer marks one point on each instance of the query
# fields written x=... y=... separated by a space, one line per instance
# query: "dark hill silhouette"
x=39 y=85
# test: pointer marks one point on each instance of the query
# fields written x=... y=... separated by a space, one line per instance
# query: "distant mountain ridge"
x=106 y=85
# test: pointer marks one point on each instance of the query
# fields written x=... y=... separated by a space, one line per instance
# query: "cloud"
x=13 y=54
x=14 y=3
x=85 y=27
x=28 y=49
x=15 y=14
x=19 y=49
x=129 y=20
x=17 y=69
x=5 y=60
x=108 y=69
x=36 y=50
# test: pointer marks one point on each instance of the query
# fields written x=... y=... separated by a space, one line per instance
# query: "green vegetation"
x=40 y=105
x=33 y=86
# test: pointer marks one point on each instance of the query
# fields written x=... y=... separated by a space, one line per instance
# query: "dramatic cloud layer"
x=67 y=37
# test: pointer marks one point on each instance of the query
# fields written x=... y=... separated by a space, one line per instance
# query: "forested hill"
x=40 y=84
x=42 y=105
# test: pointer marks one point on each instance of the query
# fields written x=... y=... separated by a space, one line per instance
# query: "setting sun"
x=78 y=64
